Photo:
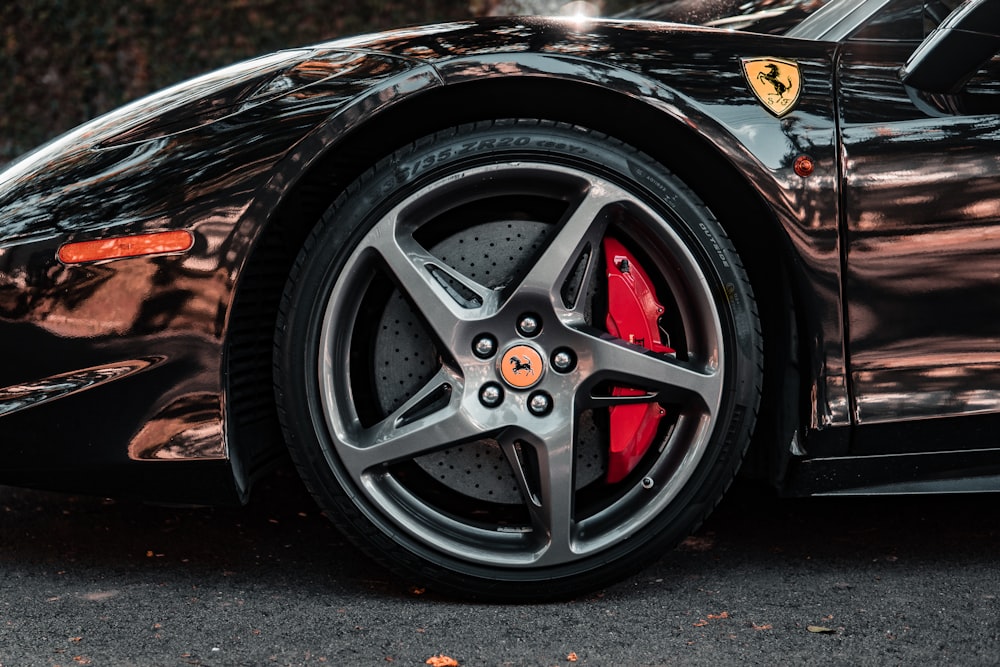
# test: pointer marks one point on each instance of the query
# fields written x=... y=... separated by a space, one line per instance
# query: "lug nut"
x=540 y=403
x=529 y=325
x=563 y=360
x=491 y=395
x=485 y=346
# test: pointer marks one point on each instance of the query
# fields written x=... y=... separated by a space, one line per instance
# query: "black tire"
x=399 y=320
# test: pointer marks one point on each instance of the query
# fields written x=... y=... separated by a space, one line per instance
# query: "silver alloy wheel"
x=372 y=452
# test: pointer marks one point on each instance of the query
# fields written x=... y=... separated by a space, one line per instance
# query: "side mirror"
x=950 y=55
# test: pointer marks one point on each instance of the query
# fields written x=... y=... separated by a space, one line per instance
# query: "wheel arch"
x=702 y=164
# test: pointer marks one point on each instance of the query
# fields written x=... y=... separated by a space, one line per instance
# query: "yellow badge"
x=775 y=82
x=521 y=366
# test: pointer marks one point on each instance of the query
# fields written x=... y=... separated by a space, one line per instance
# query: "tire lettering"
x=559 y=146
x=406 y=172
x=713 y=244
x=654 y=184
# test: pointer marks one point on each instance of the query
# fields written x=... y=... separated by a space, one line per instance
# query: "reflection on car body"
x=520 y=295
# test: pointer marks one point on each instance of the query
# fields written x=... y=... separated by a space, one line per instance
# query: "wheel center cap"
x=521 y=366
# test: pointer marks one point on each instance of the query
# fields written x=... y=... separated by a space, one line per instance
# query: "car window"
x=906 y=19
x=764 y=16
x=898 y=20
x=980 y=93
x=935 y=11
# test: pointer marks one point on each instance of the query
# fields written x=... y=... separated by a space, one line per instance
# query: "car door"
x=921 y=198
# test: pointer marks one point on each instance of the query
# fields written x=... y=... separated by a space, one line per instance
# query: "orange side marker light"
x=156 y=243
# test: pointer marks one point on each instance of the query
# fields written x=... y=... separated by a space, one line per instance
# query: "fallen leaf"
x=694 y=543
x=701 y=623
x=821 y=630
x=441 y=661
x=572 y=657
x=766 y=626
x=99 y=596
x=724 y=614
x=76 y=640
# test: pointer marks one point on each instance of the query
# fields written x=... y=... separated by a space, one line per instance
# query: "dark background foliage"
x=65 y=61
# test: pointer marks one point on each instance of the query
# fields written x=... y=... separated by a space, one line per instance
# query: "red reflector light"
x=125 y=246
x=804 y=165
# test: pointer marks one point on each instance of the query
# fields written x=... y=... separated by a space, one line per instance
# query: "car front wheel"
x=518 y=360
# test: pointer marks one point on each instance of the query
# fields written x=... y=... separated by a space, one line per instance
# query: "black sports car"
x=518 y=293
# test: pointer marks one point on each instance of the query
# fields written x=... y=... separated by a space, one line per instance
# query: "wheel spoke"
x=432 y=419
x=666 y=380
x=441 y=294
x=550 y=499
x=583 y=228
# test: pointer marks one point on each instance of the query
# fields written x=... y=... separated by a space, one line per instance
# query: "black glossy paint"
x=126 y=366
x=213 y=153
x=923 y=230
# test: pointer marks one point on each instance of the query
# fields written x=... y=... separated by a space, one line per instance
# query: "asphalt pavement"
x=832 y=581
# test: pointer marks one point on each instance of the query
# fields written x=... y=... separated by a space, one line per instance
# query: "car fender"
x=195 y=158
x=691 y=76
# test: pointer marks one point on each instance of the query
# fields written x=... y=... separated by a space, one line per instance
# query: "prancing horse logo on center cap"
x=521 y=366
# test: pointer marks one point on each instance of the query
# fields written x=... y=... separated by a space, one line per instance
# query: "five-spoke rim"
x=469 y=398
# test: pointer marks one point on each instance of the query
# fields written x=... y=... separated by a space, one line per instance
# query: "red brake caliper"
x=633 y=315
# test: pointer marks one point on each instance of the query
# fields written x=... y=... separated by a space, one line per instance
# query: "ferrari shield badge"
x=775 y=82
